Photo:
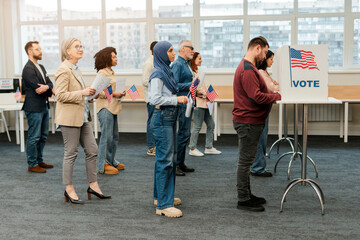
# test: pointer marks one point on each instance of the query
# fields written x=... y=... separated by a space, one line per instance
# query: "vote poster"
x=302 y=72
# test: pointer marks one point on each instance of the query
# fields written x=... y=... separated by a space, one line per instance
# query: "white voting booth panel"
x=302 y=72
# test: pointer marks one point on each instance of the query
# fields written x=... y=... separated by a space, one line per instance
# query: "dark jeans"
x=149 y=131
x=164 y=126
x=248 y=136
x=259 y=166
x=183 y=134
x=38 y=131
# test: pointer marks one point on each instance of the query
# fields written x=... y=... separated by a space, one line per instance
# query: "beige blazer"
x=115 y=106
x=70 y=103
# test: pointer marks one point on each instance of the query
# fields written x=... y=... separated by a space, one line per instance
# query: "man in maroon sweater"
x=251 y=107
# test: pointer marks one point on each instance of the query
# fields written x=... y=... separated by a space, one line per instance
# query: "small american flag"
x=302 y=59
x=133 y=92
x=211 y=94
x=17 y=95
x=108 y=92
x=193 y=88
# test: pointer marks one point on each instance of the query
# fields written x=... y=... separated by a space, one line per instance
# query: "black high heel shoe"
x=100 y=196
x=73 y=201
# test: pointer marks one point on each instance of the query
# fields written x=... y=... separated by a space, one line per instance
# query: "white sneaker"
x=151 y=152
x=212 y=151
x=196 y=153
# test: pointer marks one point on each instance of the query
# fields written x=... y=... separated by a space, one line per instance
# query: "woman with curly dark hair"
x=107 y=113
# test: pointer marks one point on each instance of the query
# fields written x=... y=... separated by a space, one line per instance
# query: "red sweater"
x=251 y=97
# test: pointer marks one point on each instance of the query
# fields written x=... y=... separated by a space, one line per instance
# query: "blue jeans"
x=164 y=127
x=38 y=131
x=149 y=131
x=201 y=115
x=108 y=140
x=259 y=164
x=183 y=134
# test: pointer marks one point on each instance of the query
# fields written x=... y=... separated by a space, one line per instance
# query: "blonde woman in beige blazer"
x=73 y=116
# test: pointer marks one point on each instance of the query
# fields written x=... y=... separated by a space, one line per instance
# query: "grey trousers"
x=72 y=136
x=248 y=136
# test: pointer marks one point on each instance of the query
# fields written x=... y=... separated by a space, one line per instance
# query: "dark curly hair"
x=103 y=58
x=263 y=64
x=192 y=62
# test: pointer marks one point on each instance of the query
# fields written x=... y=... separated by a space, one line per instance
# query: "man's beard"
x=258 y=61
x=38 y=57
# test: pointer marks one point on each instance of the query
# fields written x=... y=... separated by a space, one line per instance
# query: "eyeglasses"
x=79 y=47
x=192 y=48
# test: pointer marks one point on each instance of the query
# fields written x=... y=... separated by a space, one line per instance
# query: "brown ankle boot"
x=37 y=169
x=44 y=165
x=110 y=170
x=120 y=166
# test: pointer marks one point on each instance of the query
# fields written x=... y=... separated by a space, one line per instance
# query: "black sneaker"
x=264 y=174
x=184 y=168
x=179 y=172
x=259 y=200
x=250 y=205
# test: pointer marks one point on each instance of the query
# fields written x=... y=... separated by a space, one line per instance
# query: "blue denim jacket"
x=159 y=94
x=183 y=75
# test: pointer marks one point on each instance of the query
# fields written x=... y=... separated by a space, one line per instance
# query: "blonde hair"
x=65 y=45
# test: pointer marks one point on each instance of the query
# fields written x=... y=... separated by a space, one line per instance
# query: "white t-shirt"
x=40 y=70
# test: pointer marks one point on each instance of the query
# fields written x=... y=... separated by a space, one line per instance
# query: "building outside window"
x=219 y=30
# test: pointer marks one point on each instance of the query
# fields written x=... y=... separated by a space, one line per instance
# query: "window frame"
x=194 y=21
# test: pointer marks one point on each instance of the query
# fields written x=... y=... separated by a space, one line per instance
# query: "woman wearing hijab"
x=162 y=94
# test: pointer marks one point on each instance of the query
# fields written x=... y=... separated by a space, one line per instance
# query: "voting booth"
x=302 y=72
x=9 y=85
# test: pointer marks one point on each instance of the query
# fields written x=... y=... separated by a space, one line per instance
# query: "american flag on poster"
x=211 y=94
x=302 y=59
x=108 y=93
x=193 y=88
x=133 y=92
x=17 y=95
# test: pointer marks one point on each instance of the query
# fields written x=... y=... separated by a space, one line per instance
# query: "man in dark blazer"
x=38 y=88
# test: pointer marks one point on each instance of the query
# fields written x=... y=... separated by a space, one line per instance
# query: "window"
x=324 y=31
x=355 y=5
x=278 y=33
x=90 y=39
x=221 y=43
x=125 y=9
x=220 y=30
x=48 y=38
x=173 y=33
x=265 y=7
x=38 y=10
x=129 y=39
x=80 y=9
x=356 y=54
x=321 y=6
x=174 y=8
x=221 y=8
